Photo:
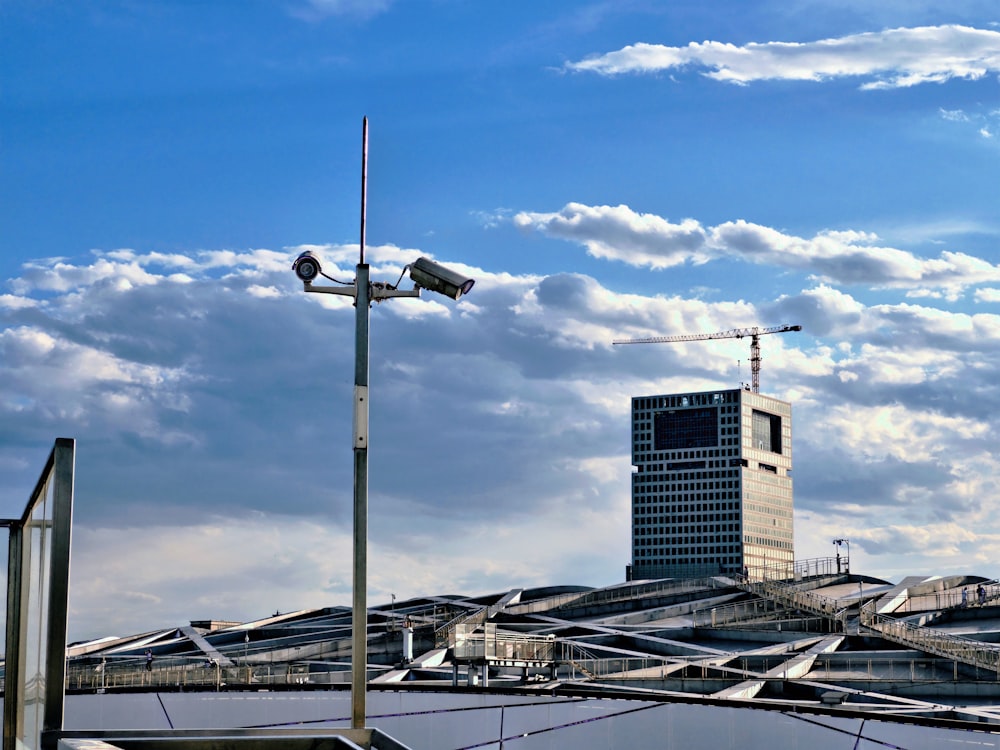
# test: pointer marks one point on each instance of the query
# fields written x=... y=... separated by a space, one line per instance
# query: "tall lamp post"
x=425 y=274
x=839 y=542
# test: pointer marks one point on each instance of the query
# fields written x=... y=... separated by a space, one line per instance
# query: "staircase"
x=776 y=585
x=445 y=635
x=966 y=650
x=764 y=583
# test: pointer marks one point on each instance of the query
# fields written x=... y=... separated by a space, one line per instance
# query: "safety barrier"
x=966 y=650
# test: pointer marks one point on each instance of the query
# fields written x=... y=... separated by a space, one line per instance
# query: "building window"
x=766 y=431
x=688 y=428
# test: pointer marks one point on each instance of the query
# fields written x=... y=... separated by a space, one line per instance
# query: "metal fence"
x=472 y=644
x=134 y=676
x=781 y=585
x=953 y=598
x=575 y=660
x=866 y=669
x=797 y=570
x=981 y=655
x=731 y=614
x=667 y=587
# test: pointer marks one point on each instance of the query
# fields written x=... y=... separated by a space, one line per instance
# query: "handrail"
x=798 y=569
x=727 y=614
x=872 y=669
x=490 y=644
x=444 y=636
x=946 y=600
x=966 y=650
x=664 y=586
x=196 y=673
x=788 y=595
x=597 y=668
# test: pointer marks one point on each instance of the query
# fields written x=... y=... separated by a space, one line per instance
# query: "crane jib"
x=736 y=333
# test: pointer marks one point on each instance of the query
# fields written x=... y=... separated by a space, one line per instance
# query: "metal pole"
x=14 y=664
x=359 y=622
x=64 y=464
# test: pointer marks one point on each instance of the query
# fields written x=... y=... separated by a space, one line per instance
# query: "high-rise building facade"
x=712 y=486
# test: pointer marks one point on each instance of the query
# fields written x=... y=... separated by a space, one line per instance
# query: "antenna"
x=364 y=184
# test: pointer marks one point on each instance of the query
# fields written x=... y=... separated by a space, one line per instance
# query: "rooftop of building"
x=923 y=648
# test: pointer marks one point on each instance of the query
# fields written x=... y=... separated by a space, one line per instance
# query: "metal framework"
x=37 y=596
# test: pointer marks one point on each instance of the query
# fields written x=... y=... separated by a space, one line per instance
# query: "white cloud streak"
x=837 y=257
x=894 y=58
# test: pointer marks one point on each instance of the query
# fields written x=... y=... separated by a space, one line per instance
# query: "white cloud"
x=13 y=302
x=899 y=367
x=50 y=378
x=984 y=123
x=954 y=115
x=894 y=58
x=618 y=233
x=263 y=291
x=893 y=430
x=501 y=421
x=840 y=257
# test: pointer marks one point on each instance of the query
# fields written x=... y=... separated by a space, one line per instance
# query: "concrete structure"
x=712 y=487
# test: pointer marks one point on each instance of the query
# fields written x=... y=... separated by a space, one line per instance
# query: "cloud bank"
x=210 y=399
x=838 y=257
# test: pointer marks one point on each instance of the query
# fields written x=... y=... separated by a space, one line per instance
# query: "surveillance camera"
x=436 y=278
x=307 y=267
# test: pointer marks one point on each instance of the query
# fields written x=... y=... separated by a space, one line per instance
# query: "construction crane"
x=737 y=333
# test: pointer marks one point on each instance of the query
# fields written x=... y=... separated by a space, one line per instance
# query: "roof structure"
x=814 y=637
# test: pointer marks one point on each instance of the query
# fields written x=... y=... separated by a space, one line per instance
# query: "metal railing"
x=953 y=599
x=577 y=658
x=796 y=570
x=773 y=582
x=966 y=650
x=445 y=635
x=729 y=614
x=666 y=587
x=133 y=676
x=428 y=614
x=580 y=663
x=591 y=668
x=780 y=583
x=487 y=644
x=863 y=669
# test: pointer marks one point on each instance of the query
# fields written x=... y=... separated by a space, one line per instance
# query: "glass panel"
x=36 y=564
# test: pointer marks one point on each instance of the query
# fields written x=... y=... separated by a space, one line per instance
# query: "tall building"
x=712 y=486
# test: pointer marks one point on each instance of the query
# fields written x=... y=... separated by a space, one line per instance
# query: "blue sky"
x=603 y=169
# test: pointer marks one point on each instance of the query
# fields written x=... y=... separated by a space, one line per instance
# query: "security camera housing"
x=436 y=278
x=307 y=266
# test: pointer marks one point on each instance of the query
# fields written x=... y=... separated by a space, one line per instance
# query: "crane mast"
x=736 y=333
